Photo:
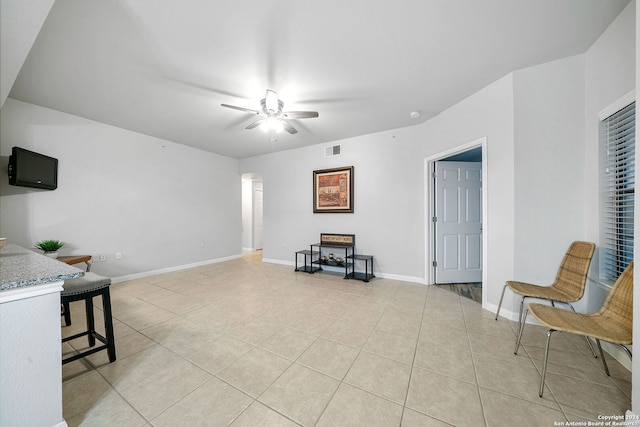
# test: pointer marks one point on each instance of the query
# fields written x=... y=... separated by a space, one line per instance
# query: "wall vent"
x=332 y=150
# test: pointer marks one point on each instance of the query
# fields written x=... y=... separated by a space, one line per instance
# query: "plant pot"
x=53 y=255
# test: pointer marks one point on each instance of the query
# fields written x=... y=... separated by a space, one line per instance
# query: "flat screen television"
x=30 y=169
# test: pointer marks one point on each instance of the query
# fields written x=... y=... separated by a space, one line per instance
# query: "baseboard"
x=412 y=279
x=376 y=273
x=278 y=261
x=507 y=314
x=173 y=269
x=617 y=353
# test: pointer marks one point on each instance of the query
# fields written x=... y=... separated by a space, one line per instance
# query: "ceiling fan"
x=273 y=118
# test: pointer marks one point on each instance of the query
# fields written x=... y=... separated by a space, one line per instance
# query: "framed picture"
x=333 y=190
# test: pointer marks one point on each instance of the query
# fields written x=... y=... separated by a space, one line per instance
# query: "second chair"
x=568 y=286
x=612 y=323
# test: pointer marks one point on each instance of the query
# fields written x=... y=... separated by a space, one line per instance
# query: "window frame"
x=617 y=186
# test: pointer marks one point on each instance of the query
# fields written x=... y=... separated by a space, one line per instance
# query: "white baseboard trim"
x=418 y=280
x=617 y=353
x=377 y=274
x=173 y=269
x=278 y=261
x=508 y=314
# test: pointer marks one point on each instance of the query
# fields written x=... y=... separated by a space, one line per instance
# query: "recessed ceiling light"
x=414 y=114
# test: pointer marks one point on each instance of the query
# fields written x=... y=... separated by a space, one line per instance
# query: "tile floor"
x=243 y=343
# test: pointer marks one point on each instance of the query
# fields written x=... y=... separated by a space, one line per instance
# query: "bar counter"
x=21 y=268
x=30 y=337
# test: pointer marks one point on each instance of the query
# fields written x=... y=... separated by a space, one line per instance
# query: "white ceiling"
x=163 y=67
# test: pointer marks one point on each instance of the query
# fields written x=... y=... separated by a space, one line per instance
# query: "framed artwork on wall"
x=333 y=190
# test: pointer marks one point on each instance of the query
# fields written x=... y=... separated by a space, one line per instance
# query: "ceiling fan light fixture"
x=273 y=118
x=272 y=102
x=272 y=124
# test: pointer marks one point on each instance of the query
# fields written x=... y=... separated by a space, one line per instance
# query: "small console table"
x=308 y=261
x=368 y=268
x=76 y=259
x=321 y=256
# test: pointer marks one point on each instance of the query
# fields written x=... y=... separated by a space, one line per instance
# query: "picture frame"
x=333 y=190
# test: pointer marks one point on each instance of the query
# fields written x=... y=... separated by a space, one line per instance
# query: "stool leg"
x=67 y=313
x=108 y=325
x=91 y=326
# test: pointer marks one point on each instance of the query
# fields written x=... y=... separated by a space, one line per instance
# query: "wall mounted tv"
x=30 y=169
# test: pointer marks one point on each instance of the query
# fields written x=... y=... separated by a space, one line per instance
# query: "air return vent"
x=333 y=150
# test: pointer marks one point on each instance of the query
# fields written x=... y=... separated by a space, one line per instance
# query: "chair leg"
x=519 y=338
x=500 y=303
x=604 y=362
x=520 y=321
x=108 y=325
x=544 y=365
x=91 y=326
x=585 y=337
x=591 y=346
x=626 y=349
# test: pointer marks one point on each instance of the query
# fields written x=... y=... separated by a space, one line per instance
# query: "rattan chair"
x=612 y=323
x=567 y=288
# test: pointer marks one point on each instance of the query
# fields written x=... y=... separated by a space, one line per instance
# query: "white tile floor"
x=243 y=343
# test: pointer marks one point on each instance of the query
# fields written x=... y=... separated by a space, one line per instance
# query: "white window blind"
x=617 y=137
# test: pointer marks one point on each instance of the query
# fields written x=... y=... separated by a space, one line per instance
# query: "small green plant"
x=49 y=245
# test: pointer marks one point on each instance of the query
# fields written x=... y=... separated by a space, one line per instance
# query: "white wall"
x=388 y=201
x=549 y=166
x=247 y=214
x=159 y=203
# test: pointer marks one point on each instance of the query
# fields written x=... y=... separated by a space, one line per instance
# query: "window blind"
x=617 y=137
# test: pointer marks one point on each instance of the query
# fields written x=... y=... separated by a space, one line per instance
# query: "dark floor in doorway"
x=468 y=290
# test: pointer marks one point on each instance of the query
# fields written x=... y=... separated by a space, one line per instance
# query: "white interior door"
x=257 y=218
x=458 y=222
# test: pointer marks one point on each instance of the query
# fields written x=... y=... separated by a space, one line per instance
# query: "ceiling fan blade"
x=287 y=126
x=246 y=110
x=301 y=114
x=256 y=124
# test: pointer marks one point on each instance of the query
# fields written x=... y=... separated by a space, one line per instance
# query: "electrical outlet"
x=118 y=255
x=103 y=257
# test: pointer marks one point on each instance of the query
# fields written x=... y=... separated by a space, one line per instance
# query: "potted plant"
x=50 y=247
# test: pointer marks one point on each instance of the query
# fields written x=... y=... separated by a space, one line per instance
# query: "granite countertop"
x=21 y=268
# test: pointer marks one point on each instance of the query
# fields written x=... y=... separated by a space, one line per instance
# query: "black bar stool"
x=85 y=288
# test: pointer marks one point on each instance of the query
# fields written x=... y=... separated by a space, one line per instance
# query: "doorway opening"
x=252 y=213
x=456 y=238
